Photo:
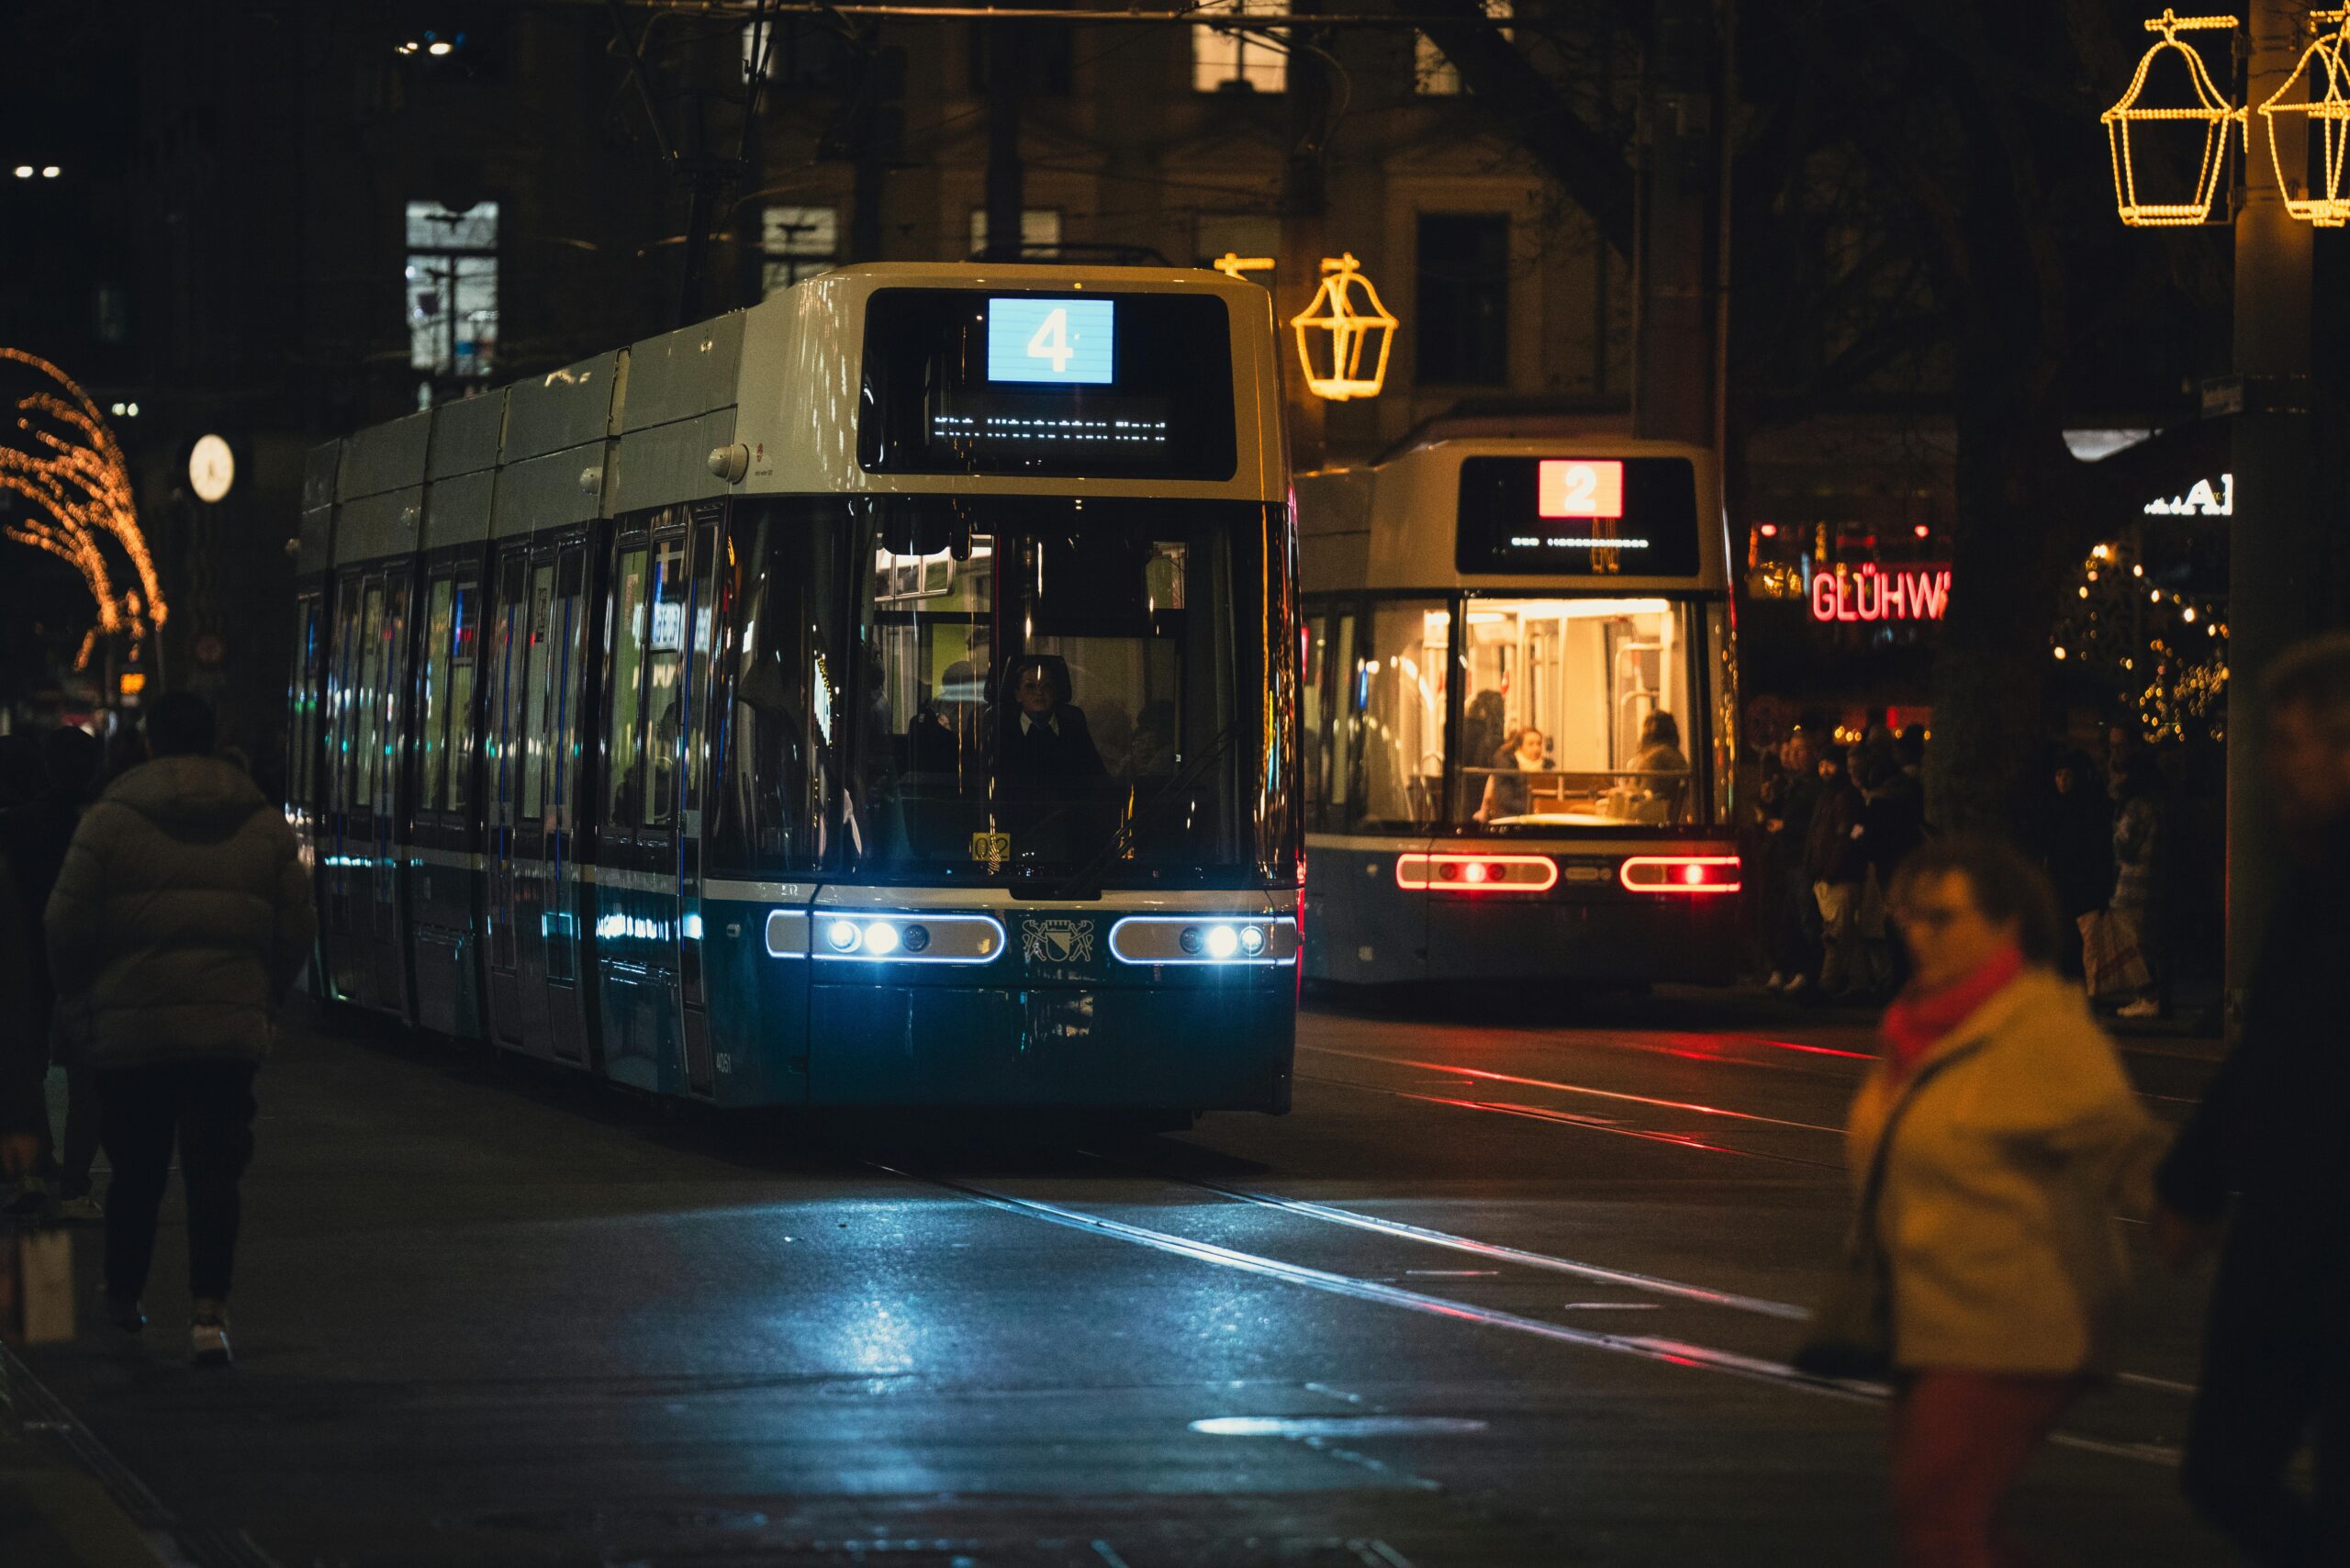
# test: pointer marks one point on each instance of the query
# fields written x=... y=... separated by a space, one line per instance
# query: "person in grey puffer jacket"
x=180 y=921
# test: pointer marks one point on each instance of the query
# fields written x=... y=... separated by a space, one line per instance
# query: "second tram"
x=880 y=696
x=1519 y=694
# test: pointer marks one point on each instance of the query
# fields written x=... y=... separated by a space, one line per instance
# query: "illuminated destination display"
x=1579 y=487
x=1578 y=516
x=1134 y=385
x=1052 y=340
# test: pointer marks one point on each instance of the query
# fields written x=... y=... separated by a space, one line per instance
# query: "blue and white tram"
x=1519 y=694
x=884 y=695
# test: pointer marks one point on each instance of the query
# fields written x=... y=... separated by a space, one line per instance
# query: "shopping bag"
x=2111 y=959
x=36 y=1287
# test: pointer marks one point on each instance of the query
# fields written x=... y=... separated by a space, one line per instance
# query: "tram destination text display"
x=1578 y=516
x=1057 y=384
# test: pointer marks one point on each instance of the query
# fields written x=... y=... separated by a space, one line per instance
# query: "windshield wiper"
x=1081 y=881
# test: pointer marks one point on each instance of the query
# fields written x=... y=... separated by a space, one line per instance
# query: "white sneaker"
x=1795 y=984
x=1777 y=982
x=208 y=1344
x=2142 y=1008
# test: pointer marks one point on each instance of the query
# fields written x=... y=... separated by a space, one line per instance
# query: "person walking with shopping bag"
x=1990 y=1147
x=178 y=925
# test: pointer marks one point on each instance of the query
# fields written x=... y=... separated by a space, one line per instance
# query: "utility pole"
x=1305 y=206
x=1673 y=339
x=2275 y=595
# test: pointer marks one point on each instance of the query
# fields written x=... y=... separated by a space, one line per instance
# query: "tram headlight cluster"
x=1223 y=941
x=934 y=938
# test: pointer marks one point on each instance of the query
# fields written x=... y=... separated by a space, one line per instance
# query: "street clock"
x=211 y=468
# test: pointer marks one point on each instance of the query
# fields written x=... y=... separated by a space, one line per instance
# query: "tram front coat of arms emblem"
x=1056 y=941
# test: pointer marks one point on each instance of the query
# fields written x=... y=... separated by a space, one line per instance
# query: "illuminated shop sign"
x=2201 y=501
x=1908 y=593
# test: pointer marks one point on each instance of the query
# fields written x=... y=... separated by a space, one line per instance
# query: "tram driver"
x=1047 y=738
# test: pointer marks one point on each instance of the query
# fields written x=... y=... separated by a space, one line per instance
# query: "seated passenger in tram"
x=1509 y=791
x=1047 y=738
x=1660 y=770
x=1153 y=750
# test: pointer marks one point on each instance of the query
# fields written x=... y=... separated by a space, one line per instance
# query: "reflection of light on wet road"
x=1617 y=1094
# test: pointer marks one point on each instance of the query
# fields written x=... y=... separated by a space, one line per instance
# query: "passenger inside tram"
x=1508 y=790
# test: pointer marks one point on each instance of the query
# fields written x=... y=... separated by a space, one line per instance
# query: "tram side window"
x=464 y=613
x=778 y=691
x=569 y=673
x=538 y=696
x=665 y=659
x=433 y=717
x=700 y=619
x=497 y=777
x=624 y=766
x=1397 y=706
x=304 y=736
x=1722 y=685
x=1328 y=748
x=342 y=714
x=370 y=696
x=1588 y=705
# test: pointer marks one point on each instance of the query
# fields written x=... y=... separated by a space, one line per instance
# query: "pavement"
x=1515 y=1284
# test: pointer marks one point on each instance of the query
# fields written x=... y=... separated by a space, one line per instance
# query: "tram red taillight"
x=1680 y=874
x=1476 y=873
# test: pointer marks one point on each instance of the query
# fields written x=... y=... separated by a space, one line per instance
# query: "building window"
x=797 y=243
x=453 y=289
x=799 y=53
x=1463 y=326
x=1044 y=56
x=1040 y=229
x=1225 y=61
x=1434 y=74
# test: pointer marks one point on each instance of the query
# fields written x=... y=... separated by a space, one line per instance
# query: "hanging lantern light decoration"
x=1233 y=265
x=1347 y=310
x=2321 y=118
x=2133 y=127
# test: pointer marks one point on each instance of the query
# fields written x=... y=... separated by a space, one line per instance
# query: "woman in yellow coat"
x=2018 y=1138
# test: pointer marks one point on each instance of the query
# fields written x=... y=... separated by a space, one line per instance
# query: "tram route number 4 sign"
x=1051 y=340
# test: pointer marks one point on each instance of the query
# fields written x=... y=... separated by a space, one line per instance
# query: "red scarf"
x=1916 y=1019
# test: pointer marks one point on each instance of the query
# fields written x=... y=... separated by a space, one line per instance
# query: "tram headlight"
x=881 y=939
x=1189 y=941
x=1223 y=941
x=1252 y=939
x=843 y=935
x=916 y=937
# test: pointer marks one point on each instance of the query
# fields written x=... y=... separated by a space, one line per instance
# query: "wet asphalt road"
x=1498 y=1293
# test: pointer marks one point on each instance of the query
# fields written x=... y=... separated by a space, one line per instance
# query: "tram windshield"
x=1573 y=713
x=1067 y=689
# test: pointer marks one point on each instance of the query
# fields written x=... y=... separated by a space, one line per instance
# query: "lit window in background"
x=1040 y=228
x=451 y=288
x=797 y=243
x=1228 y=62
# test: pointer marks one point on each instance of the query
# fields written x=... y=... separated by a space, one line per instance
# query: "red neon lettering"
x=1845 y=608
x=1868 y=597
x=1823 y=597
x=1894 y=599
x=1929 y=593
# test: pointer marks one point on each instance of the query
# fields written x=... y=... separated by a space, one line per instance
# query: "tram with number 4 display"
x=880 y=696
x=1519 y=697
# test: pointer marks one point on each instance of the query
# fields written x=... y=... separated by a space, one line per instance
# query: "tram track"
x=1661 y=1350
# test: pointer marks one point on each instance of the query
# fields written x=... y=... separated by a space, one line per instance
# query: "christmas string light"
x=73 y=470
x=2130 y=117
x=2327 y=113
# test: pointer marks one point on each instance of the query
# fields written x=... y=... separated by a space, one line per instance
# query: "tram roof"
x=1370 y=527
x=771 y=394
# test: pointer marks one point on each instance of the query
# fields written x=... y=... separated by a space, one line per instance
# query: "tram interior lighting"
x=881 y=939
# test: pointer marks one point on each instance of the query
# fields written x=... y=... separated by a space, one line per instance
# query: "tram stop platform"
x=54 y=1512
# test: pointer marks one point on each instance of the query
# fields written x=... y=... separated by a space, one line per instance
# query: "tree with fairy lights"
x=2157 y=649
x=63 y=458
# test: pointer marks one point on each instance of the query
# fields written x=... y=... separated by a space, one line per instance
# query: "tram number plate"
x=992 y=849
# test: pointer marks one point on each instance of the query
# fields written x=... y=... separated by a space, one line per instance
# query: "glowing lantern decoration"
x=2323 y=123
x=2206 y=114
x=1234 y=265
x=1347 y=309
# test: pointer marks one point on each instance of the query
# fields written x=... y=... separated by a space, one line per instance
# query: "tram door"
x=648 y=942
x=340 y=842
x=701 y=619
x=501 y=780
